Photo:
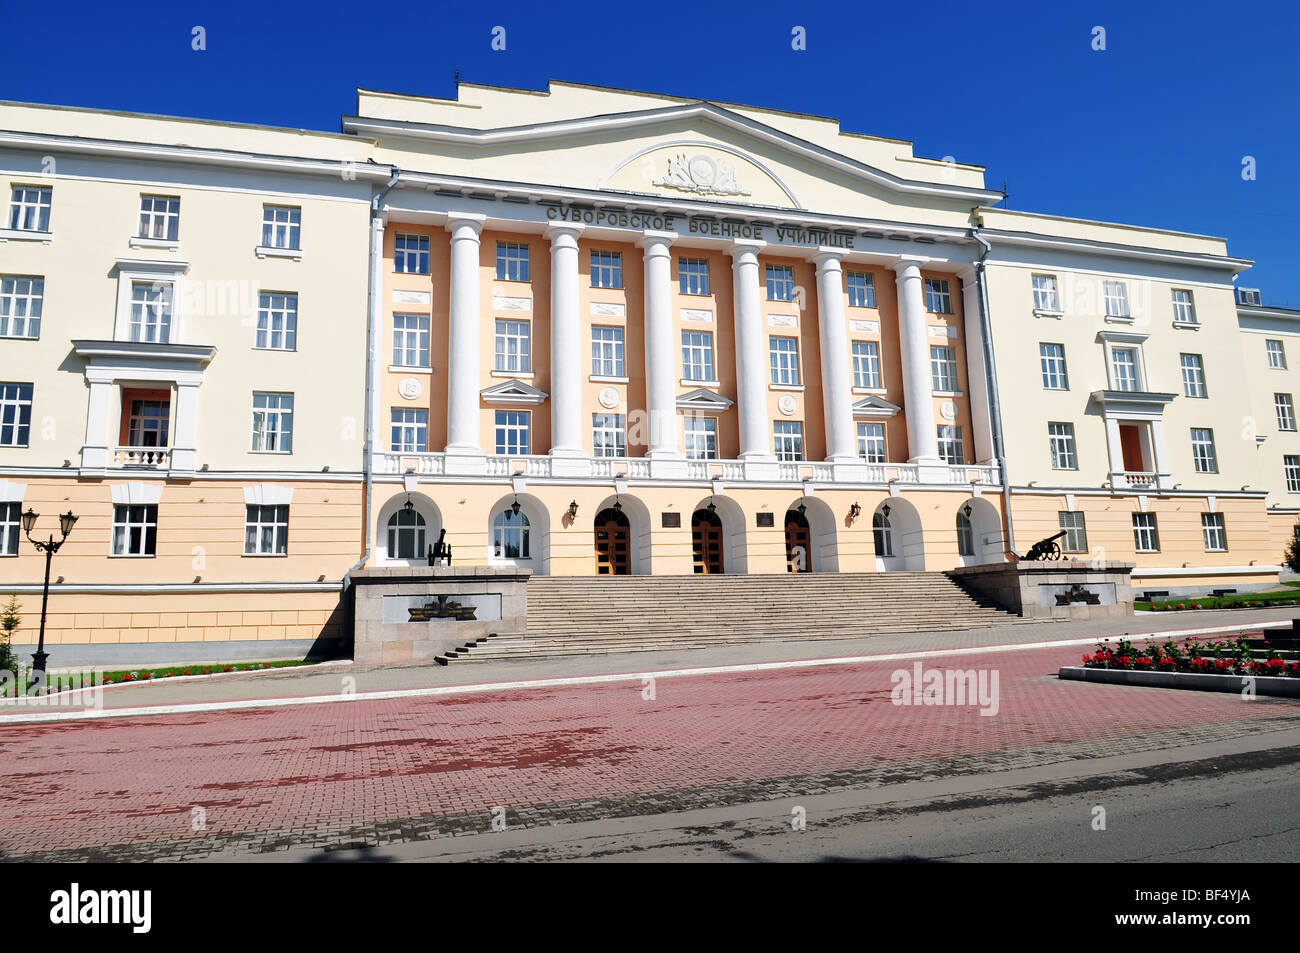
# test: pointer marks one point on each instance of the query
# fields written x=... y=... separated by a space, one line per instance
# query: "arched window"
x=965 y=535
x=884 y=534
x=510 y=536
x=406 y=535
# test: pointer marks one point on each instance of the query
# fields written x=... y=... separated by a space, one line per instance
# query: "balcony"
x=145 y=458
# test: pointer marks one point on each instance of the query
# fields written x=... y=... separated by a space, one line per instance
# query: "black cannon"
x=440 y=552
x=1045 y=549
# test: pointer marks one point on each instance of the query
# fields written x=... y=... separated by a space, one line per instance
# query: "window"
x=1203 y=455
x=697 y=355
x=510 y=535
x=266 y=530
x=411 y=254
x=608 y=435
x=281 y=226
x=272 y=422
x=1184 y=310
x=1076 y=532
x=29 y=209
x=951 y=449
x=1276 y=355
x=606 y=269
x=1123 y=366
x=1145 y=537
x=10 y=523
x=871 y=442
x=1216 y=538
x=1248 y=296
x=277 y=321
x=514 y=346
x=1060 y=437
x=411 y=340
x=512 y=430
x=135 y=529
x=862 y=289
x=701 y=438
x=883 y=534
x=410 y=430
x=1291 y=466
x=15 y=414
x=1045 y=296
x=1051 y=357
x=406 y=534
x=512 y=261
x=160 y=217
x=1285 y=411
x=21 y=300
x=784 y=356
x=965 y=535
x=938 y=300
x=788 y=438
x=607 y=351
x=943 y=369
x=151 y=311
x=1115 y=294
x=1193 y=375
x=866 y=365
x=780 y=282
x=693 y=276
x=147 y=423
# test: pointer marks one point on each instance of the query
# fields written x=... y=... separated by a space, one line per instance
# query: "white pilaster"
x=918 y=390
x=660 y=348
x=94 y=454
x=465 y=317
x=566 y=343
x=976 y=374
x=1159 y=456
x=1115 y=452
x=837 y=378
x=751 y=354
x=185 y=438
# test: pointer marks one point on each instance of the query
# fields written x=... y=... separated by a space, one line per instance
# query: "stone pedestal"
x=1031 y=589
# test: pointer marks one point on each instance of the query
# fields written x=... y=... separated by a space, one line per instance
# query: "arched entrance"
x=897 y=534
x=613 y=542
x=798 y=541
x=409 y=523
x=518 y=533
x=707 y=542
x=979 y=533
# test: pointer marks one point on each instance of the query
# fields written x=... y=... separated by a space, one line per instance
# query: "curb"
x=1195 y=681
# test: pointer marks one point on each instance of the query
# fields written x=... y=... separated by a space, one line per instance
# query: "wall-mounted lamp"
x=966 y=510
x=884 y=511
x=854 y=512
x=618 y=507
x=408 y=506
x=712 y=507
x=573 y=509
x=802 y=508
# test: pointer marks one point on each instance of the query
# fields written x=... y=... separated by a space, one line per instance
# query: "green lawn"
x=1287 y=596
x=144 y=673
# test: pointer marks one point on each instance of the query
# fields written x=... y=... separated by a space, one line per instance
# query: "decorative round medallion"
x=410 y=388
x=787 y=405
x=703 y=171
x=949 y=410
x=608 y=397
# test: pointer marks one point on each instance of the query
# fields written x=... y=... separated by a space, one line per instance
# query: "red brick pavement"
x=135 y=780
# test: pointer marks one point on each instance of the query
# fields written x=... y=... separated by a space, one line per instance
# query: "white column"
x=660 y=346
x=94 y=453
x=981 y=410
x=465 y=318
x=1159 y=457
x=751 y=353
x=837 y=377
x=566 y=343
x=1115 y=451
x=184 y=442
x=918 y=390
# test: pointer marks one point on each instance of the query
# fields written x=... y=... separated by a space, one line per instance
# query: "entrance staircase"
x=586 y=615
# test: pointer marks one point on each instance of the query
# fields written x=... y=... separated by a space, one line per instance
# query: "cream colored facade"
x=414 y=222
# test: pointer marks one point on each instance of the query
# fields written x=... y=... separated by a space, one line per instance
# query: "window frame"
x=867 y=374
x=860 y=288
x=280 y=414
x=253 y=519
x=1153 y=529
x=169 y=216
x=516 y=422
x=20 y=209
x=1276 y=356
x=507 y=332
x=703 y=370
x=1195 y=382
x=19 y=423
x=937 y=291
x=707 y=430
x=866 y=440
x=1047 y=364
x=31 y=300
x=943 y=369
x=125 y=525
x=693 y=276
x=1046 y=300
x=273 y=228
x=787 y=441
x=267 y=312
x=402 y=255
x=783 y=361
x=402 y=337
x=1215 y=525
x=1205 y=458
x=1071 y=539
x=779 y=281
x=606 y=265
x=947 y=443
x=611 y=353
x=1062 y=445
x=605 y=425
x=514 y=261
x=1184 y=311
x=1284 y=409
x=408 y=430
x=1291 y=471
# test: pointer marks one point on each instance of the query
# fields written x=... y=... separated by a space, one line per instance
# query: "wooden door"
x=706 y=542
x=798 y=548
x=613 y=553
x=1130 y=441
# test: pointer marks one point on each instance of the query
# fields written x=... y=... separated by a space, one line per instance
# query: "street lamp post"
x=50 y=547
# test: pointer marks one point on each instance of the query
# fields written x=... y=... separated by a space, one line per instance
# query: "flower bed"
x=1204 y=658
x=149 y=675
x=1261 y=600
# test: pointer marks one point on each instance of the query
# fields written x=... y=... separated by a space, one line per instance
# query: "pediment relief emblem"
x=701 y=174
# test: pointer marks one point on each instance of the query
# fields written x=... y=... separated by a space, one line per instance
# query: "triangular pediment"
x=512 y=392
x=703 y=401
x=874 y=405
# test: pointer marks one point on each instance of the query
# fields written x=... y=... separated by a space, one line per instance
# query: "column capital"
x=745 y=247
x=904 y=265
x=966 y=273
x=560 y=231
x=651 y=238
x=458 y=220
x=827 y=259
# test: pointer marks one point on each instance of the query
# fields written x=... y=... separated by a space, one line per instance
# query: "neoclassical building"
x=593 y=331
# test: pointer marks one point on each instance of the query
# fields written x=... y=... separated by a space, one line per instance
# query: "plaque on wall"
x=609 y=309
x=866 y=327
x=764 y=519
x=671 y=520
x=782 y=321
x=702 y=315
x=506 y=303
x=411 y=297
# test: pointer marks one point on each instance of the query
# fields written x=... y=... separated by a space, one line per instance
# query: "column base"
x=568 y=452
x=467 y=461
x=94 y=457
x=570 y=465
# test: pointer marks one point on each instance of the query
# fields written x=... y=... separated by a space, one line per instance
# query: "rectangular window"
x=871 y=442
x=514 y=346
x=266 y=530
x=272 y=422
x=281 y=226
x=410 y=430
x=866 y=365
x=701 y=438
x=277 y=321
x=608 y=435
x=148 y=422
x=951 y=448
x=1045 y=295
x=411 y=254
x=512 y=261
x=938 y=300
x=513 y=432
x=607 y=351
x=135 y=529
x=1060 y=437
x=1193 y=375
x=780 y=282
x=29 y=208
x=1291 y=467
x=783 y=354
x=160 y=217
x=787 y=435
x=1145 y=537
x=1051 y=358
x=151 y=311
x=1115 y=294
x=697 y=355
x=1276 y=355
x=1076 y=533
x=1203 y=455
x=693 y=276
x=862 y=289
x=607 y=269
x=943 y=369
x=1216 y=537
x=10 y=523
x=1123 y=365
x=411 y=340
x=1285 y=411
x=22 y=298
x=1184 y=309
x=15 y=414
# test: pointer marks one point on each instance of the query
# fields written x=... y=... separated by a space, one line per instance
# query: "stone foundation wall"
x=1030 y=589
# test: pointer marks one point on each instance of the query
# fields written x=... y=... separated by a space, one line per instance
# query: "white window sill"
x=403 y=369
x=171 y=244
x=1119 y=319
x=1045 y=313
x=270 y=251
x=949 y=393
x=869 y=390
x=25 y=235
x=794 y=387
x=864 y=307
x=266 y=555
x=1191 y=326
x=273 y=453
x=601 y=379
x=132 y=555
x=513 y=375
x=19 y=337
x=693 y=383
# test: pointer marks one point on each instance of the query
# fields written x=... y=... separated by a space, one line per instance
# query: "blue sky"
x=1151 y=131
